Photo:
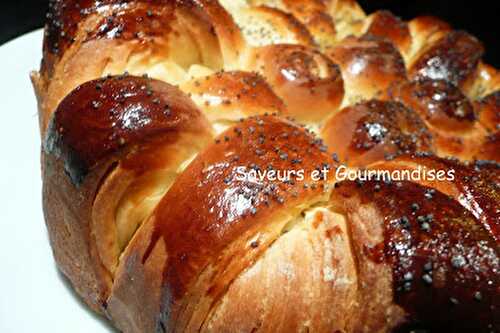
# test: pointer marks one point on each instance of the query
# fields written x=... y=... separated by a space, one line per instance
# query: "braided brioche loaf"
x=149 y=108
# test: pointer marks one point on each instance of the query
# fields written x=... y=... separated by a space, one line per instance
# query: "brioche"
x=154 y=114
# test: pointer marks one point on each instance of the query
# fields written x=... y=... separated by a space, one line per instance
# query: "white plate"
x=34 y=297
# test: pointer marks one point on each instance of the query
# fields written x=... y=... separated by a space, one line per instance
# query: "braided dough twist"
x=149 y=109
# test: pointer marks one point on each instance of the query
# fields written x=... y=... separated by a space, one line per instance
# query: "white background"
x=34 y=297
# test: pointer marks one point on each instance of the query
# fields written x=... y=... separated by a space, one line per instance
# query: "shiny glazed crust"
x=151 y=110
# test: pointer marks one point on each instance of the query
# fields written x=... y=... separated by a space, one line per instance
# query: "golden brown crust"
x=104 y=116
x=475 y=186
x=67 y=212
x=441 y=104
x=286 y=24
x=447 y=112
x=229 y=36
x=443 y=266
x=425 y=30
x=128 y=20
x=385 y=24
x=369 y=66
x=488 y=111
x=487 y=81
x=164 y=238
x=262 y=25
x=453 y=58
x=489 y=148
x=374 y=130
x=85 y=41
x=226 y=97
x=309 y=83
x=313 y=15
x=224 y=217
x=104 y=136
x=314 y=268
